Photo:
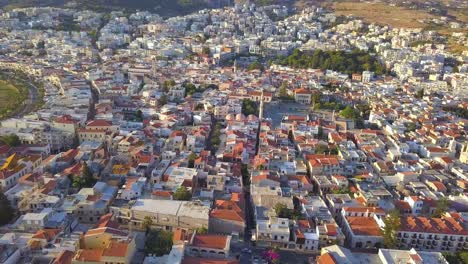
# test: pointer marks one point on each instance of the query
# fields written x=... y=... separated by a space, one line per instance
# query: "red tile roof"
x=364 y=226
x=210 y=241
x=326 y=258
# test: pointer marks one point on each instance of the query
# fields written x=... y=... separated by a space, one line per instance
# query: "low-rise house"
x=209 y=246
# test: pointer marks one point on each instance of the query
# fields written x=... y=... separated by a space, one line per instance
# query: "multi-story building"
x=167 y=214
x=362 y=232
x=302 y=96
x=434 y=234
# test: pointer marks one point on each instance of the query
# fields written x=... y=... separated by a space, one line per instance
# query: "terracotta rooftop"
x=364 y=226
x=210 y=241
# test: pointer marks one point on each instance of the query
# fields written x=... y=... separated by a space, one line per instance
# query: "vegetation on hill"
x=342 y=61
x=164 y=7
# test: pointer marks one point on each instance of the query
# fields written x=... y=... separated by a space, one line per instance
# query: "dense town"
x=237 y=135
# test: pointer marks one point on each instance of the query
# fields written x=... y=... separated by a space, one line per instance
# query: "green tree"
x=419 y=94
x=191 y=160
x=202 y=230
x=255 y=66
x=11 y=140
x=206 y=50
x=78 y=182
x=320 y=133
x=147 y=224
x=282 y=210
x=139 y=115
x=162 y=100
x=392 y=226
x=7 y=212
x=411 y=127
x=283 y=90
x=168 y=84
x=348 y=113
x=442 y=207
x=190 y=88
x=41 y=44
x=182 y=194
x=249 y=107
x=87 y=176
x=158 y=242
x=316 y=97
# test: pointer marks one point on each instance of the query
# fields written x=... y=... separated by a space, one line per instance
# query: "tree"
x=139 y=115
x=147 y=223
x=348 y=113
x=245 y=175
x=249 y=107
x=78 y=182
x=281 y=210
x=283 y=90
x=191 y=160
x=6 y=210
x=41 y=44
x=316 y=97
x=182 y=194
x=320 y=133
x=419 y=94
x=162 y=100
x=202 y=230
x=190 y=88
x=255 y=66
x=87 y=176
x=392 y=226
x=442 y=207
x=206 y=50
x=411 y=127
x=168 y=84
x=11 y=140
x=158 y=242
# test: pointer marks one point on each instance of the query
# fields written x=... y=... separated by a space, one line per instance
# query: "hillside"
x=163 y=7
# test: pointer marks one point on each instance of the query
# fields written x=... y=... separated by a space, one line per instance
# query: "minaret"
x=260 y=110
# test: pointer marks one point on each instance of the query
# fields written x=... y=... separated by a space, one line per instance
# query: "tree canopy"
x=348 y=113
x=182 y=194
x=255 y=66
x=11 y=140
x=6 y=210
x=392 y=226
x=191 y=160
x=158 y=242
x=342 y=61
x=442 y=207
x=249 y=107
